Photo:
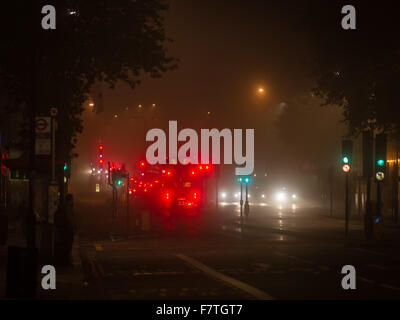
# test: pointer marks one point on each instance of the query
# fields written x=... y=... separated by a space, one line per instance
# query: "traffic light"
x=67 y=169
x=100 y=151
x=380 y=156
x=347 y=151
x=245 y=180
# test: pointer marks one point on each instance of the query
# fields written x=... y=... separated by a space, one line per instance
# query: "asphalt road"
x=287 y=253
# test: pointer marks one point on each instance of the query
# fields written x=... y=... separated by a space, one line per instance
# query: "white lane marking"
x=236 y=283
x=377 y=267
x=300 y=260
x=376 y=253
x=366 y=280
x=325 y=268
x=156 y=273
x=388 y=286
x=369 y=251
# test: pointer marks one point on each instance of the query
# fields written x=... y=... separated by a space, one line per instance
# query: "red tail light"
x=167 y=196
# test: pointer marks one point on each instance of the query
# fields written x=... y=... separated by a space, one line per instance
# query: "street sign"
x=42 y=146
x=42 y=125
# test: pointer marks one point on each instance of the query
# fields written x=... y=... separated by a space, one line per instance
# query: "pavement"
x=70 y=281
x=296 y=252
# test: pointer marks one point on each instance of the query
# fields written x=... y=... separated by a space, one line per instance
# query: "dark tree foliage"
x=358 y=69
x=99 y=40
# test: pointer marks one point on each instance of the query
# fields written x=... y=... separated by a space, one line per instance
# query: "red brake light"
x=167 y=196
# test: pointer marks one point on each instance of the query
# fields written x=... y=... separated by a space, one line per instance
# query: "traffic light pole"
x=246 y=204
x=241 y=199
x=347 y=206
x=127 y=205
x=331 y=190
x=378 y=198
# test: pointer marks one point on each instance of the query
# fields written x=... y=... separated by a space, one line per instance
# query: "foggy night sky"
x=226 y=51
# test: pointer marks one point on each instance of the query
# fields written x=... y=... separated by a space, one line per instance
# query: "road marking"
x=98 y=247
x=390 y=286
x=376 y=253
x=325 y=268
x=157 y=273
x=377 y=267
x=366 y=280
x=236 y=283
x=369 y=251
x=300 y=260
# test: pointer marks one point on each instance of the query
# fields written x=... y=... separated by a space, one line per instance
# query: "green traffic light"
x=240 y=179
x=345 y=160
x=380 y=162
x=119 y=182
x=247 y=180
x=65 y=167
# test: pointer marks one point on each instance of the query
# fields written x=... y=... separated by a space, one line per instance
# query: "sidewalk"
x=317 y=225
x=70 y=282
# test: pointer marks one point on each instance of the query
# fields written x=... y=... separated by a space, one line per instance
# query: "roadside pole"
x=396 y=186
x=246 y=204
x=216 y=186
x=331 y=190
x=127 y=205
x=53 y=188
x=347 y=205
x=241 y=199
x=378 y=198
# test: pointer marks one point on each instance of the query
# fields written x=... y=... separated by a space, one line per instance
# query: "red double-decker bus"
x=174 y=187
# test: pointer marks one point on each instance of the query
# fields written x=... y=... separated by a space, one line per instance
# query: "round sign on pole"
x=42 y=124
x=346 y=168
x=53 y=112
x=380 y=176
